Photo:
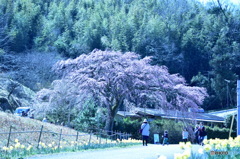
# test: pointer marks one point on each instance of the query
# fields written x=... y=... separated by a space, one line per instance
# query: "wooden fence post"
x=9 y=135
x=89 y=142
x=60 y=137
x=106 y=136
x=76 y=140
x=77 y=136
x=39 y=139
x=100 y=136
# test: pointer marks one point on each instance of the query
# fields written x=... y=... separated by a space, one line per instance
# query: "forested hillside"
x=202 y=43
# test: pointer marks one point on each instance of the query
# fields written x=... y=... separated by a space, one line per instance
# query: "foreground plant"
x=20 y=150
x=212 y=149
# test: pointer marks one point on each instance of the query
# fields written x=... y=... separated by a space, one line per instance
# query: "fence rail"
x=92 y=136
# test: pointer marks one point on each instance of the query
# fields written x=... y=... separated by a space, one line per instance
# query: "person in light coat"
x=145 y=131
x=185 y=135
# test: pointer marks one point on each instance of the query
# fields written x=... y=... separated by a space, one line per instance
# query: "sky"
x=232 y=1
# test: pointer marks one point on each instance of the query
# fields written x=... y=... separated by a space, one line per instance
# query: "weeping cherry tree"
x=114 y=78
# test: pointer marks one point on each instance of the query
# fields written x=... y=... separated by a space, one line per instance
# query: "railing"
x=39 y=136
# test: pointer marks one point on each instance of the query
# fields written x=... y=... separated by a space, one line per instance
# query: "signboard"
x=156 y=138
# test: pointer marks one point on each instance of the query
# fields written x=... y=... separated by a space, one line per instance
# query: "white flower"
x=200 y=151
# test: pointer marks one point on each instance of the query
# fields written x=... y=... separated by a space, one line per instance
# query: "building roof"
x=224 y=113
x=170 y=114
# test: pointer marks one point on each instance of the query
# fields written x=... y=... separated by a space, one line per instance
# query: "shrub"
x=221 y=133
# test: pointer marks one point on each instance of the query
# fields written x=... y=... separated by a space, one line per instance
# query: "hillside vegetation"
x=201 y=42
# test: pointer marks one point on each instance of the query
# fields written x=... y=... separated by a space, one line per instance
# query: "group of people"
x=199 y=131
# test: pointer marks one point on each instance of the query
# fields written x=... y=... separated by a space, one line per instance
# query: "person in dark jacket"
x=196 y=133
x=165 y=138
x=202 y=133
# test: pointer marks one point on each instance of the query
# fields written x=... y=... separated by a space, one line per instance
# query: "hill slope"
x=33 y=127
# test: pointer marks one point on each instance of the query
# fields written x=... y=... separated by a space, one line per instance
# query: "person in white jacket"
x=145 y=131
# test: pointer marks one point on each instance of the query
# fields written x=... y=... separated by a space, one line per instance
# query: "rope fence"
x=39 y=136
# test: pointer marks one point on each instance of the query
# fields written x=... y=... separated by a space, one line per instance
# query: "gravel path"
x=134 y=152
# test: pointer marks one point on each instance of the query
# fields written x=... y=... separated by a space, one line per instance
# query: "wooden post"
x=39 y=139
x=60 y=137
x=230 y=132
x=89 y=142
x=9 y=135
x=77 y=136
x=76 y=140
x=100 y=137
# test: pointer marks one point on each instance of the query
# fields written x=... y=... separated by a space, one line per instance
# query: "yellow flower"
x=207 y=147
x=188 y=145
x=206 y=141
x=5 y=148
x=162 y=157
x=29 y=147
x=218 y=146
x=186 y=154
x=49 y=145
x=224 y=143
x=22 y=146
x=10 y=148
x=177 y=156
x=182 y=145
x=16 y=140
x=17 y=145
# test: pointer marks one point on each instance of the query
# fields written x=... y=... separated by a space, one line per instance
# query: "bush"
x=128 y=125
x=221 y=133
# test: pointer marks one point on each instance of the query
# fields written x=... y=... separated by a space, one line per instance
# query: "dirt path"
x=134 y=152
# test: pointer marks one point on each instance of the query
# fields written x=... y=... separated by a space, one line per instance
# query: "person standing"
x=165 y=138
x=145 y=131
x=185 y=135
x=202 y=133
x=196 y=133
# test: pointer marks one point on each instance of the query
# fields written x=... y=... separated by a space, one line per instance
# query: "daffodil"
x=207 y=147
x=16 y=140
x=22 y=146
x=5 y=148
x=29 y=147
x=224 y=143
x=177 y=156
x=11 y=148
x=218 y=146
x=188 y=145
x=186 y=154
x=182 y=145
x=17 y=145
x=162 y=157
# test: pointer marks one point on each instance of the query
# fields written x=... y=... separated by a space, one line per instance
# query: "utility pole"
x=227 y=81
x=238 y=107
